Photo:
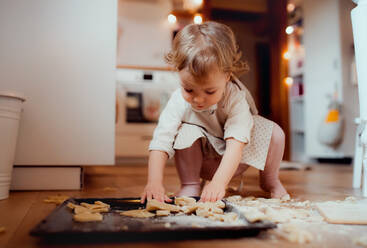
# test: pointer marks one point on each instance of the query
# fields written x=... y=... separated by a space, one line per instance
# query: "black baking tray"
x=59 y=226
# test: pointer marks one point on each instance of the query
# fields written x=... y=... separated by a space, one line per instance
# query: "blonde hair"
x=199 y=47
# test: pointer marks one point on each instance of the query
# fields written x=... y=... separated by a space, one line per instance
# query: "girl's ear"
x=228 y=76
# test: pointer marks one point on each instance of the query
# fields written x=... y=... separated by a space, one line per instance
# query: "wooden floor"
x=23 y=210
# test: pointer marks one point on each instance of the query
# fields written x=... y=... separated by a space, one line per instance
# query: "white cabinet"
x=61 y=55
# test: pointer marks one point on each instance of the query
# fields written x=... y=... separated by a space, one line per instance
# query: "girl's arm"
x=154 y=188
x=161 y=147
x=216 y=189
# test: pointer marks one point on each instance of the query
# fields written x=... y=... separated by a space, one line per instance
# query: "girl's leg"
x=210 y=166
x=188 y=163
x=269 y=177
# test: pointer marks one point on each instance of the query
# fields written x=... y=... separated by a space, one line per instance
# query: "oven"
x=141 y=96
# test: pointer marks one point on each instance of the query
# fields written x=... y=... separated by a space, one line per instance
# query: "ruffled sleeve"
x=168 y=124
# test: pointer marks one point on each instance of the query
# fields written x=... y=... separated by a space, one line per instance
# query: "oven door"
x=138 y=109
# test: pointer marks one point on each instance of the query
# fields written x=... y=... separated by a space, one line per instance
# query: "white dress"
x=235 y=115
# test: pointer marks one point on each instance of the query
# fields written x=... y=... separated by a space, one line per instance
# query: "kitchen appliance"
x=141 y=96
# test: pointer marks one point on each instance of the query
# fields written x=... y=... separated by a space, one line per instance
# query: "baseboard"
x=47 y=178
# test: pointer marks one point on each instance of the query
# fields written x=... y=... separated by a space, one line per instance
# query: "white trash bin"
x=10 y=110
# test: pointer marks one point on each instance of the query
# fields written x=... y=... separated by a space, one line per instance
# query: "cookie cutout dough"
x=157 y=205
x=163 y=212
x=184 y=206
x=184 y=201
x=88 y=217
x=86 y=212
x=189 y=209
x=57 y=199
x=253 y=215
x=226 y=217
x=138 y=213
x=80 y=210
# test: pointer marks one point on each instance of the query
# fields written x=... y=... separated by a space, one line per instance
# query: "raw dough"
x=253 y=215
x=206 y=211
x=86 y=212
x=71 y=205
x=185 y=201
x=278 y=216
x=346 y=212
x=97 y=207
x=162 y=212
x=80 y=209
x=138 y=213
x=157 y=205
x=189 y=209
x=226 y=217
x=87 y=217
x=215 y=207
x=57 y=199
x=294 y=234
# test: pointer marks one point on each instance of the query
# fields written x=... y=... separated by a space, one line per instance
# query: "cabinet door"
x=61 y=55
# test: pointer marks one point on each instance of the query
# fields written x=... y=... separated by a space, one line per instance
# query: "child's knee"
x=278 y=135
x=194 y=148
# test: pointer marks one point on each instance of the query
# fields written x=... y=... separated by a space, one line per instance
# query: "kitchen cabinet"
x=62 y=56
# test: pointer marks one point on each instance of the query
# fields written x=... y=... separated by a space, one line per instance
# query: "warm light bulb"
x=289 y=29
x=198 y=2
x=198 y=19
x=172 y=18
x=287 y=55
x=290 y=7
x=192 y=5
x=288 y=81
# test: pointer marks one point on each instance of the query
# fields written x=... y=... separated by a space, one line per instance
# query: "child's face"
x=205 y=92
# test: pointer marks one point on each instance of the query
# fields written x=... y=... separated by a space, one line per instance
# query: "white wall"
x=327 y=41
x=61 y=55
x=144 y=32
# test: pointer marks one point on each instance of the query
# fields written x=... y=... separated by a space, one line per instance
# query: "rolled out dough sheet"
x=344 y=213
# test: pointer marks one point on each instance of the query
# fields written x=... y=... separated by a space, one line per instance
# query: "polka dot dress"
x=253 y=154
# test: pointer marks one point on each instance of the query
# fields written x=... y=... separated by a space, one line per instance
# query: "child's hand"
x=154 y=191
x=213 y=191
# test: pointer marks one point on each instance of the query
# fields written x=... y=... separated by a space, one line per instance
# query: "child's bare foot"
x=190 y=190
x=278 y=192
x=275 y=188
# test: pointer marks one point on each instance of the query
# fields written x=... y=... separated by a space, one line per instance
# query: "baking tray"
x=59 y=226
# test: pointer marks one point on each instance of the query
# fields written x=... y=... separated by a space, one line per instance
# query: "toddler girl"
x=211 y=125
